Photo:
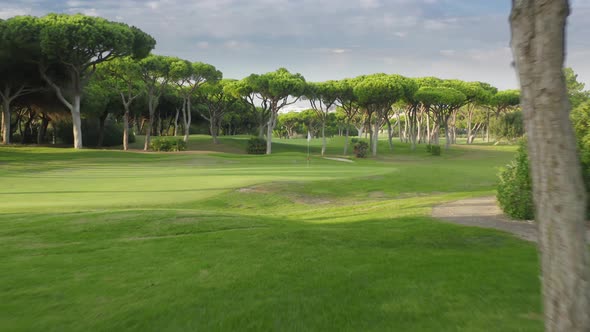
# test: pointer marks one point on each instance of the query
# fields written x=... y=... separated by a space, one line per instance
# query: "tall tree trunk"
x=269 y=128
x=346 y=139
x=428 y=128
x=148 y=130
x=399 y=121
x=447 y=134
x=77 y=122
x=538 y=44
x=126 y=128
x=469 y=125
x=6 y=121
x=390 y=134
x=375 y=136
x=176 y=122
x=418 y=124
x=323 y=138
x=213 y=129
x=187 y=123
x=261 y=131
x=487 y=126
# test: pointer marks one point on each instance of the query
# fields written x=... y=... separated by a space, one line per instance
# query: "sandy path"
x=484 y=212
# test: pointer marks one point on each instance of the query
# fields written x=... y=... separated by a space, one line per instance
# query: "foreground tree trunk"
x=538 y=38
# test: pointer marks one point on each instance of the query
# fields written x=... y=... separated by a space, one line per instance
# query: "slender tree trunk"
x=213 y=129
x=324 y=138
x=187 y=125
x=389 y=134
x=538 y=44
x=418 y=121
x=77 y=122
x=6 y=121
x=148 y=130
x=375 y=136
x=487 y=126
x=428 y=128
x=469 y=125
x=447 y=134
x=360 y=130
x=346 y=139
x=270 y=127
x=399 y=124
x=176 y=122
x=126 y=128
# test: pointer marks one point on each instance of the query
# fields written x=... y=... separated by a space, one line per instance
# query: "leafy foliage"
x=256 y=145
x=435 y=150
x=167 y=144
x=515 y=193
x=360 y=149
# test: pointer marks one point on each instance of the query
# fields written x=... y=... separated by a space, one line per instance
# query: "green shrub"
x=360 y=149
x=256 y=145
x=435 y=150
x=515 y=194
x=354 y=140
x=429 y=148
x=167 y=144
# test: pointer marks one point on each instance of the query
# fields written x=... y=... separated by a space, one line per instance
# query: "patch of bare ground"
x=484 y=212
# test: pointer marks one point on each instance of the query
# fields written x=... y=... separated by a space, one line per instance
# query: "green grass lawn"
x=221 y=241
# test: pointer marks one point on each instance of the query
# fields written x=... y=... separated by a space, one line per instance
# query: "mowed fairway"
x=117 y=241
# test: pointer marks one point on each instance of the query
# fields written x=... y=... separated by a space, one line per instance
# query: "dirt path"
x=484 y=212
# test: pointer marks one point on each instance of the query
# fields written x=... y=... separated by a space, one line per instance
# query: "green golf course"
x=212 y=239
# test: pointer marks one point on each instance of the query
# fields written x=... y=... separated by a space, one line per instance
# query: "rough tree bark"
x=538 y=44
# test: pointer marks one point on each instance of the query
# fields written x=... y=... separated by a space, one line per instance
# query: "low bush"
x=434 y=150
x=256 y=145
x=515 y=194
x=354 y=140
x=360 y=149
x=167 y=144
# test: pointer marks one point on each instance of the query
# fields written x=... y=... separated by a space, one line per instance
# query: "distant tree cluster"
x=79 y=71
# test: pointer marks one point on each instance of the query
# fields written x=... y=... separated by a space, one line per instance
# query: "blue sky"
x=331 y=39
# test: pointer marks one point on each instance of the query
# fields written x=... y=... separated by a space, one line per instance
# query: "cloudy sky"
x=330 y=39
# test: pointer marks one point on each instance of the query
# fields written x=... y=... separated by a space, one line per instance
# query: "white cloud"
x=203 y=44
x=10 y=12
x=329 y=39
x=447 y=52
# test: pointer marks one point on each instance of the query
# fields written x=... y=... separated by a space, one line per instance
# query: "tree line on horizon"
x=66 y=70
